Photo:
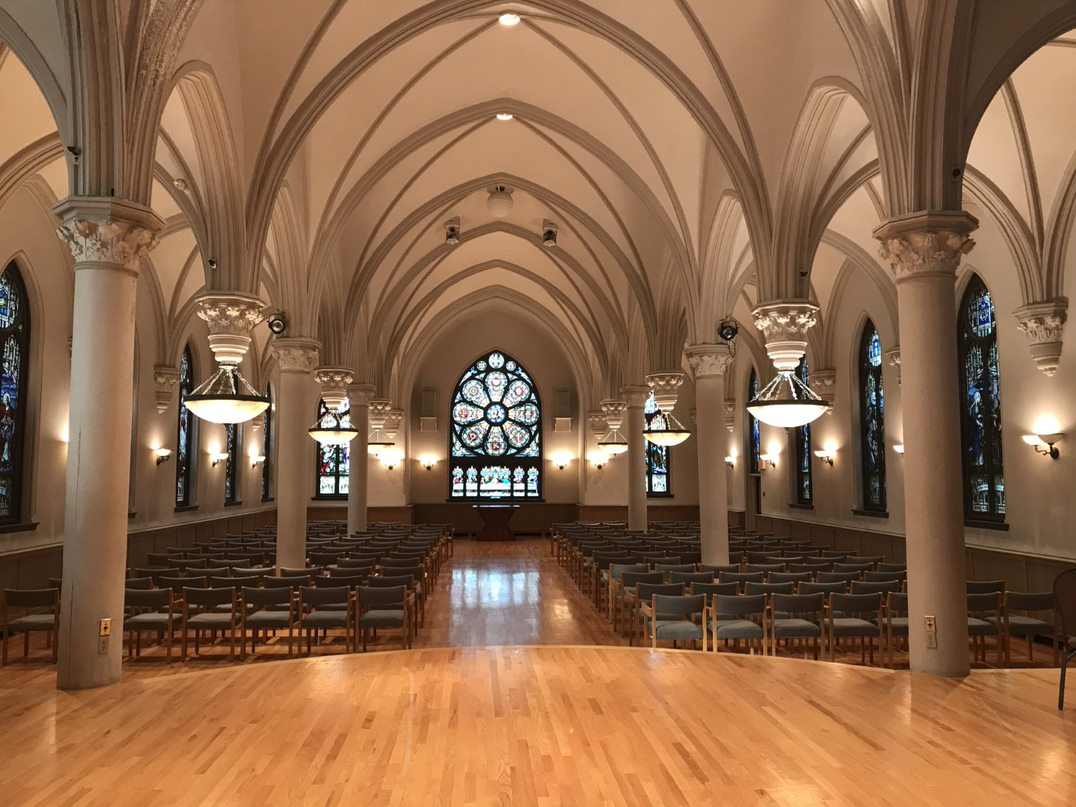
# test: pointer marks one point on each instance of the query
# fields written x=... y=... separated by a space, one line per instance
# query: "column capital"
x=393 y=419
x=666 y=388
x=784 y=325
x=106 y=230
x=613 y=409
x=1044 y=326
x=824 y=382
x=230 y=317
x=927 y=243
x=361 y=394
x=730 y=415
x=165 y=381
x=708 y=360
x=635 y=395
x=379 y=412
x=596 y=421
x=892 y=357
x=296 y=354
x=334 y=381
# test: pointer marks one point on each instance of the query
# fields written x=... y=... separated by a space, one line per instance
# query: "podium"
x=496 y=521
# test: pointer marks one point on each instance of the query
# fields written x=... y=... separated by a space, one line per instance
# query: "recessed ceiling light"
x=508 y=19
x=505 y=116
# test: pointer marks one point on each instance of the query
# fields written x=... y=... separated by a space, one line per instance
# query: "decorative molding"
x=296 y=354
x=784 y=325
x=635 y=395
x=708 y=360
x=730 y=415
x=165 y=381
x=665 y=388
x=926 y=244
x=596 y=422
x=334 y=381
x=393 y=421
x=892 y=357
x=824 y=383
x=230 y=317
x=1044 y=326
x=361 y=394
x=105 y=230
x=379 y=412
x=613 y=410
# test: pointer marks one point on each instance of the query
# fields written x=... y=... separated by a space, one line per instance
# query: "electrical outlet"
x=930 y=625
x=105 y=627
x=102 y=645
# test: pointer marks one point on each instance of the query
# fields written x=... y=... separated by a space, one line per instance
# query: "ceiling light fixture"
x=786 y=402
x=508 y=19
x=505 y=116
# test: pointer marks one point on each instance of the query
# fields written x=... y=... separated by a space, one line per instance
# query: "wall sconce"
x=561 y=459
x=730 y=460
x=598 y=459
x=218 y=457
x=826 y=455
x=899 y=448
x=767 y=461
x=162 y=454
x=1044 y=443
x=256 y=460
x=390 y=459
x=428 y=461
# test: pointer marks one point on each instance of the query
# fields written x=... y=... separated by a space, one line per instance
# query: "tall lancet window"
x=496 y=435
x=872 y=420
x=980 y=414
x=186 y=434
x=657 y=457
x=267 y=447
x=15 y=355
x=233 y=436
x=754 y=433
x=802 y=443
x=332 y=462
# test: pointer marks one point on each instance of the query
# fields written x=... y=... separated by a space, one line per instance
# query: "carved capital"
x=926 y=244
x=784 y=325
x=613 y=410
x=105 y=230
x=730 y=415
x=393 y=420
x=708 y=360
x=666 y=388
x=334 y=381
x=165 y=381
x=1044 y=326
x=893 y=358
x=360 y=394
x=635 y=395
x=596 y=421
x=230 y=317
x=824 y=383
x=379 y=412
x=296 y=354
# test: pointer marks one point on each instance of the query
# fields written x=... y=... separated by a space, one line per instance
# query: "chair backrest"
x=791 y=577
x=822 y=588
x=765 y=568
x=632 y=579
x=802 y=605
x=177 y=584
x=683 y=606
x=392 y=581
x=837 y=577
x=892 y=567
x=1064 y=589
x=880 y=587
x=398 y=571
x=853 y=567
x=676 y=568
x=288 y=571
x=981 y=602
x=985 y=586
x=350 y=571
x=812 y=566
x=646 y=591
x=883 y=577
x=691 y=577
x=731 y=607
x=374 y=597
x=334 y=595
x=215 y=571
x=740 y=577
x=769 y=588
x=209 y=597
x=618 y=570
x=289 y=581
x=147 y=599
x=138 y=582
x=155 y=574
x=714 y=589
x=718 y=568
x=357 y=562
x=349 y=580
x=1029 y=601
x=846 y=604
x=259 y=597
x=896 y=602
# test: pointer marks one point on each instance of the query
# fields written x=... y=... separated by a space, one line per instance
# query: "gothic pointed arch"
x=14 y=375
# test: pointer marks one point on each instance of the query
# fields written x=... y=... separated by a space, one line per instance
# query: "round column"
x=709 y=362
x=358 y=486
x=107 y=239
x=924 y=251
x=636 y=396
x=295 y=410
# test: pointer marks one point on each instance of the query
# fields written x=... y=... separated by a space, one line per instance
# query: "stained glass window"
x=232 y=438
x=187 y=434
x=980 y=376
x=802 y=442
x=15 y=355
x=754 y=433
x=657 y=457
x=496 y=449
x=333 y=462
x=267 y=447
x=872 y=419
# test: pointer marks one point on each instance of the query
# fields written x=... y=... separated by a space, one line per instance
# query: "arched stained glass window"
x=267 y=447
x=802 y=441
x=496 y=434
x=754 y=433
x=980 y=411
x=333 y=463
x=187 y=434
x=233 y=435
x=872 y=419
x=657 y=457
x=15 y=356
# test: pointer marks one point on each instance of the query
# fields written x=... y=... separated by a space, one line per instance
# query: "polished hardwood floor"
x=510 y=698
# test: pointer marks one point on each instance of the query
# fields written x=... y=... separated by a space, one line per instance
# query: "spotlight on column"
x=452 y=231
x=727 y=330
x=549 y=234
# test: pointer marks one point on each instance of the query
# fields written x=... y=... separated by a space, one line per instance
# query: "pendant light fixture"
x=665 y=430
x=226 y=397
x=613 y=443
x=662 y=427
x=333 y=429
x=788 y=403
x=379 y=442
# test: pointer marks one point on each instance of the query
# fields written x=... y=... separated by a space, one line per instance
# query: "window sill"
x=25 y=526
x=233 y=504
x=871 y=513
x=1000 y=526
x=131 y=514
x=660 y=496
x=186 y=508
x=798 y=506
x=267 y=499
x=336 y=497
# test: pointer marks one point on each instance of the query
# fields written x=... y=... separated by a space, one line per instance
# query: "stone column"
x=636 y=396
x=295 y=410
x=108 y=239
x=709 y=363
x=358 y=485
x=924 y=250
x=1044 y=326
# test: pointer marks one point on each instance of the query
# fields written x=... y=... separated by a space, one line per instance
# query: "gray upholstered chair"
x=687 y=578
x=716 y=569
x=1065 y=618
x=822 y=588
x=876 y=587
x=791 y=577
x=1024 y=624
x=615 y=585
x=855 y=616
x=388 y=607
x=985 y=586
x=799 y=617
x=627 y=602
x=150 y=611
x=769 y=588
x=319 y=610
x=892 y=567
x=739 y=619
x=201 y=612
x=675 y=619
x=885 y=577
x=644 y=593
x=981 y=607
x=837 y=577
x=266 y=609
x=741 y=577
x=34 y=609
